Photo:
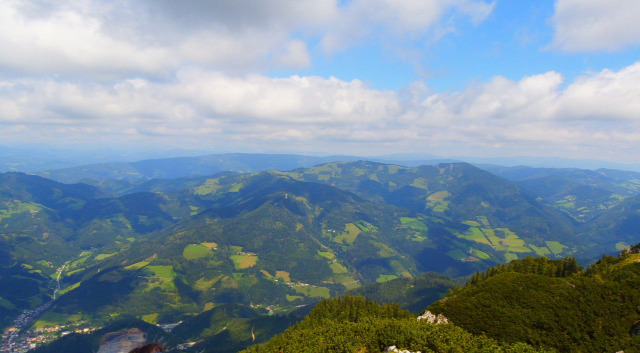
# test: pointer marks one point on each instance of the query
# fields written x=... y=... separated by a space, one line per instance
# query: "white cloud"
x=593 y=25
x=117 y=38
x=393 y=19
x=294 y=56
x=592 y=116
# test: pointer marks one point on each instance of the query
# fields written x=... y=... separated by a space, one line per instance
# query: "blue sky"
x=478 y=78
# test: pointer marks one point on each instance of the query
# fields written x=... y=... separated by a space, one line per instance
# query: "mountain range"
x=273 y=240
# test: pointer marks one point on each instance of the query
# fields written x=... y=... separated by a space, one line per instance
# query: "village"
x=14 y=341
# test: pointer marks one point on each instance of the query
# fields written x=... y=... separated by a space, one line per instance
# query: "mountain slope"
x=273 y=242
x=553 y=303
x=501 y=219
x=352 y=324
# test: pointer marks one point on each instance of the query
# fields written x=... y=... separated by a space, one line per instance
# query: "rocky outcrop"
x=394 y=349
x=432 y=318
x=122 y=341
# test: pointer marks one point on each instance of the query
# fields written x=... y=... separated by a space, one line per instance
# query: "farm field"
x=195 y=251
x=244 y=261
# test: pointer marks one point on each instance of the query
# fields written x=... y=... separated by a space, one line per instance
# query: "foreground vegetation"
x=354 y=324
x=553 y=303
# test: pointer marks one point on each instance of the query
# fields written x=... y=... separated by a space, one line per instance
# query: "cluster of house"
x=15 y=342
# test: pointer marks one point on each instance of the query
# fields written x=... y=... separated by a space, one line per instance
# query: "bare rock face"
x=394 y=349
x=122 y=341
x=432 y=318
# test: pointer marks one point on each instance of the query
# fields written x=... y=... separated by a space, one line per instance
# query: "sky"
x=478 y=78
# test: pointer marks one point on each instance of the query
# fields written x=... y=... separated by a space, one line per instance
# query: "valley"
x=268 y=245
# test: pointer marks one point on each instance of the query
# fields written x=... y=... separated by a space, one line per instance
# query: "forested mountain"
x=353 y=324
x=581 y=194
x=413 y=294
x=168 y=249
x=553 y=303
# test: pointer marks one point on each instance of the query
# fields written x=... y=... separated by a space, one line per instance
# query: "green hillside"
x=553 y=303
x=168 y=250
x=494 y=218
x=413 y=294
x=353 y=324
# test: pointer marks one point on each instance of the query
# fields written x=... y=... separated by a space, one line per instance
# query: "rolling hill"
x=168 y=249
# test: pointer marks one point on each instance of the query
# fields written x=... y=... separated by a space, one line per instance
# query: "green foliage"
x=353 y=324
x=552 y=303
x=532 y=265
x=413 y=294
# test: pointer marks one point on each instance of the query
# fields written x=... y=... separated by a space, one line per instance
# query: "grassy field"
x=555 y=247
x=195 y=251
x=104 y=256
x=204 y=284
x=513 y=242
x=137 y=265
x=284 y=275
x=16 y=207
x=540 y=251
x=210 y=245
x=326 y=254
x=479 y=254
x=437 y=202
x=51 y=319
x=294 y=297
x=393 y=169
x=414 y=223
x=312 y=291
x=484 y=221
x=567 y=202
x=366 y=226
x=338 y=268
x=510 y=256
x=457 y=254
x=349 y=235
x=209 y=187
x=347 y=281
x=244 y=261
x=79 y=262
x=162 y=271
x=69 y=288
x=477 y=235
x=150 y=318
x=384 y=278
x=420 y=183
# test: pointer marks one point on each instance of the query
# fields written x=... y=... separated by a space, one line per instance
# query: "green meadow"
x=195 y=251
x=312 y=291
x=385 y=278
x=349 y=235
x=244 y=261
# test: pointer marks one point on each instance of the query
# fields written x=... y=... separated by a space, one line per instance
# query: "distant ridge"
x=167 y=168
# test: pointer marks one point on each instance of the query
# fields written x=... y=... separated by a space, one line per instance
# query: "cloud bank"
x=108 y=39
x=535 y=115
x=593 y=25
